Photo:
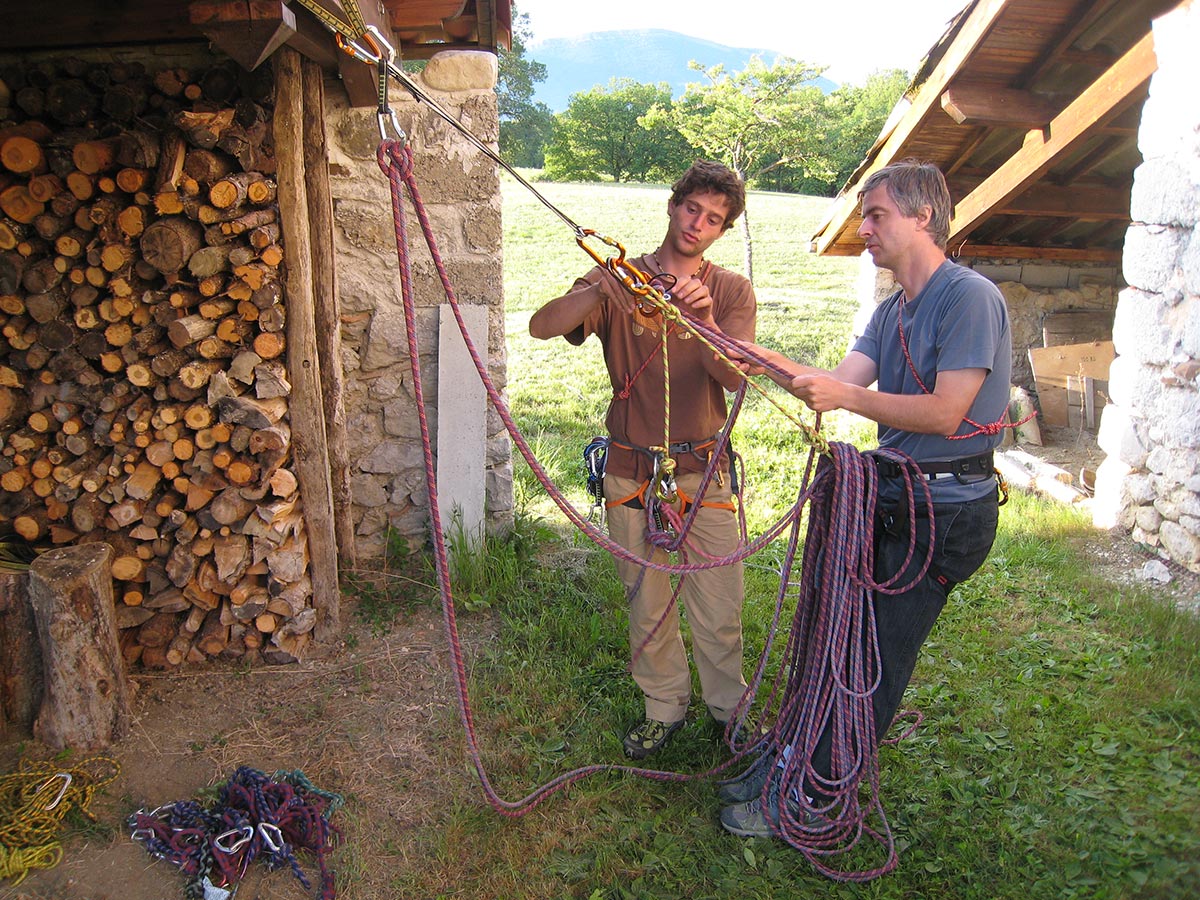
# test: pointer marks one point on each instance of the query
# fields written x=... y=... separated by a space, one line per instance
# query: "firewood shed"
x=203 y=360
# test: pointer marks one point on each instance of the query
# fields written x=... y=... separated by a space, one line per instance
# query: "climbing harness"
x=34 y=800
x=255 y=816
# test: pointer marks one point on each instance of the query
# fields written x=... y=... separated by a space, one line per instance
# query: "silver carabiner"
x=66 y=777
x=276 y=843
x=246 y=832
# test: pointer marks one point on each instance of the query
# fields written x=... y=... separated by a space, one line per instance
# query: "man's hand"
x=692 y=295
x=820 y=392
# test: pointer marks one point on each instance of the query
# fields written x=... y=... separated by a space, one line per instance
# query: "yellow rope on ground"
x=34 y=800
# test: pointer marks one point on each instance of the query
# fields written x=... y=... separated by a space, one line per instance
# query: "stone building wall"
x=460 y=189
x=1150 y=431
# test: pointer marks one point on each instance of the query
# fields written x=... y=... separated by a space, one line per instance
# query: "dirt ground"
x=373 y=718
x=365 y=719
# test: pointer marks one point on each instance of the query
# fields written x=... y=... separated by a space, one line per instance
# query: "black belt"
x=960 y=468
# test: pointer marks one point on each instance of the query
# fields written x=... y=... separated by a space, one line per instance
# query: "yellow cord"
x=671 y=313
x=34 y=800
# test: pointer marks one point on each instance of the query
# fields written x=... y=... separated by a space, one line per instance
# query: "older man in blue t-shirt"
x=941 y=351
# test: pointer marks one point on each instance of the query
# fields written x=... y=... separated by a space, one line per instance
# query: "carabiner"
x=66 y=777
x=663 y=480
x=220 y=841
x=267 y=830
x=352 y=49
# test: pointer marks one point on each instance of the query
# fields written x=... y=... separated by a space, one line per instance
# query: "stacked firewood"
x=143 y=392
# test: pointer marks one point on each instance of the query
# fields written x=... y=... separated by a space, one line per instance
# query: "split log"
x=86 y=704
x=20 y=656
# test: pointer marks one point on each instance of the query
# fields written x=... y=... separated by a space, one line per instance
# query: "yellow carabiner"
x=663 y=480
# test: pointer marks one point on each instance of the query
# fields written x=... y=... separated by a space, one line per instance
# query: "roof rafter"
x=1107 y=97
x=979 y=103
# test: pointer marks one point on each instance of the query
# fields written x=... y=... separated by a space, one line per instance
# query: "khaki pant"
x=712 y=599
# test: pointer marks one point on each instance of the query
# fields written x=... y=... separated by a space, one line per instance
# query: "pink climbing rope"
x=830 y=668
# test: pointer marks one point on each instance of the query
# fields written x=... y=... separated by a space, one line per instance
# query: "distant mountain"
x=650 y=56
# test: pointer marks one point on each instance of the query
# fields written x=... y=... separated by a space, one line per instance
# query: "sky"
x=853 y=38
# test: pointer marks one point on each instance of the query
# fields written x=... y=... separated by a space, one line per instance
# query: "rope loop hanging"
x=831 y=659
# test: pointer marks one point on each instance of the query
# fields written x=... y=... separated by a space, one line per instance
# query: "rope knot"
x=394 y=155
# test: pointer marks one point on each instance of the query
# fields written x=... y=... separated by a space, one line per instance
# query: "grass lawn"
x=1058 y=753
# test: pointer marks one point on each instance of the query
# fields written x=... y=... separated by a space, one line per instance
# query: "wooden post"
x=20 y=656
x=307 y=414
x=86 y=700
x=327 y=305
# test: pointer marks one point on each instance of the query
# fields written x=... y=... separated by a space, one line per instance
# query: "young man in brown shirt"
x=704 y=203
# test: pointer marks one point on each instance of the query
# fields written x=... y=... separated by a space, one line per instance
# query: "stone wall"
x=461 y=191
x=1150 y=431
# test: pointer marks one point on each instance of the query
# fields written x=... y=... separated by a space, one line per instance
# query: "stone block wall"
x=1150 y=480
x=460 y=189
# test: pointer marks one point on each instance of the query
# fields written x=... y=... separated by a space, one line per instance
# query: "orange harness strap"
x=640 y=496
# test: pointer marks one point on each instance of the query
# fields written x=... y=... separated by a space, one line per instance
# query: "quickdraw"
x=595 y=458
x=255 y=817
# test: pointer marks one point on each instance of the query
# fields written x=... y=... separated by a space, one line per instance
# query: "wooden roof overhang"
x=1031 y=108
x=248 y=31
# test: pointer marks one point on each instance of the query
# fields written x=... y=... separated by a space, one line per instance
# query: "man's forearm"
x=564 y=314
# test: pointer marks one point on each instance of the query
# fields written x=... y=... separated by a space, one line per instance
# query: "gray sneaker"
x=749 y=784
x=758 y=817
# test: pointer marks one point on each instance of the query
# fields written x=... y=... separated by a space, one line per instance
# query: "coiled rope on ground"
x=34 y=801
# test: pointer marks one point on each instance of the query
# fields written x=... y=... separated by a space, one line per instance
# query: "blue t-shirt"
x=958 y=321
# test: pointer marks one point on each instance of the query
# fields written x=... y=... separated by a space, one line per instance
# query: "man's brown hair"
x=706 y=176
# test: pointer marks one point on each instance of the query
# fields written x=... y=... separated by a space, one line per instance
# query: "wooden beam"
x=977 y=26
x=314 y=41
x=1094 y=203
x=1106 y=97
x=994 y=104
x=327 y=309
x=414 y=14
x=1085 y=13
x=359 y=78
x=1098 y=255
x=309 y=447
x=1106 y=148
x=247 y=32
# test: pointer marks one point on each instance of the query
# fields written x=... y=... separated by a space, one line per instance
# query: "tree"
x=856 y=116
x=600 y=134
x=756 y=120
x=526 y=126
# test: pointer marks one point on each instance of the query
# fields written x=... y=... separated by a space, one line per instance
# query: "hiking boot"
x=749 y=784
x=648 y=736
x=758 y=817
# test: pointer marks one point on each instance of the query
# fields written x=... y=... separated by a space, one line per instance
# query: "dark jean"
x=963 y=537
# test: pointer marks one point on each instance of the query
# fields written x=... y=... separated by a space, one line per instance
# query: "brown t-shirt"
x=698 y=409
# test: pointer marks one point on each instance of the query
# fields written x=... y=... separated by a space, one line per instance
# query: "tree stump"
x=20 y=656
x=86 y=701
